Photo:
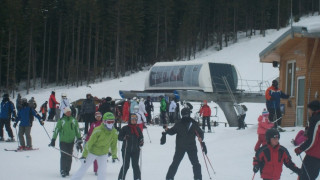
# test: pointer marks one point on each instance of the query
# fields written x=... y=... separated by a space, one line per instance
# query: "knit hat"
x=108 y=116
x=265 y=112
x=272 y=133
x=66 y=109
x=98 y=114
x=314 y=105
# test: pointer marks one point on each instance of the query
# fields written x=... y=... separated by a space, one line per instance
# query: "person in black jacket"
x=149 y=108
x=88 y=108
x=132 y=138
x=186 y=131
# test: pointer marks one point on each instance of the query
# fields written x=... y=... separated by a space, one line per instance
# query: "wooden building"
x=297 y=55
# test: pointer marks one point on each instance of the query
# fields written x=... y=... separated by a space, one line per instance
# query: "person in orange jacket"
x=205 y=112
x=263 y=125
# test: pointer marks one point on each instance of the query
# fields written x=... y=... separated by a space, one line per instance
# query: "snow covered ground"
x=229 y=150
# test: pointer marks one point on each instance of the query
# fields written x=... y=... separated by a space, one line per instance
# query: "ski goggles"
x=108 y=122
x=275 y=136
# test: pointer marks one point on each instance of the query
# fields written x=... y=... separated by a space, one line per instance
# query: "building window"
x=290 y=83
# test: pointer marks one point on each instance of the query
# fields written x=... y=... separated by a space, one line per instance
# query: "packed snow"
x=229 y=150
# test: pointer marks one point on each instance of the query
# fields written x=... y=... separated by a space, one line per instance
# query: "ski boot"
x=28 y=148
x=63 y=173
x=21 y=148
x=209 y=131
x=95 y=173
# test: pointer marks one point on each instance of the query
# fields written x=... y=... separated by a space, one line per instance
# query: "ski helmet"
x=314 y=105
x=108 y=116
x=185 y=112
x=272 y=133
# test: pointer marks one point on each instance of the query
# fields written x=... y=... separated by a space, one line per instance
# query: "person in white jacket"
x=142 y=109
x=63 y=103
x=141 y=118
x=172 y=110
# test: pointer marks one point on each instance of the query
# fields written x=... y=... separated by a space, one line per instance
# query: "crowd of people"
x=103 y=129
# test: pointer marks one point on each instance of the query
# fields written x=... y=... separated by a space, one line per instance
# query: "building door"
x=300 y=100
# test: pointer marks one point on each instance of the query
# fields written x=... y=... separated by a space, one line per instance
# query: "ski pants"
x=204 y=120
x=272 y=117
x=149 y=117
x=102 y=163
x=178 y=156
x=312 y=165
x=163 y=117
x=261 y=140
x=66 y=160
x=241 y=121
x=171 y=117
x=88 y=119
x=25 y=131
x=126 y=156
x=52 y=113
x=44 y=116
x=7 y=124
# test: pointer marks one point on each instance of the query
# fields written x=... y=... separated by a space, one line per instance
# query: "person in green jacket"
x=163 y=111
x=102 y=138
x=68 y=129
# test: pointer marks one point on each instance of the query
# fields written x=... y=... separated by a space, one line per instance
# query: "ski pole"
x=65 y=152
x=253 y=176
x=204 y=156
x=210 y=164
x=140 y=162
x=124 y=159
x=304 y=167
x=47 y=132
x=148 y=135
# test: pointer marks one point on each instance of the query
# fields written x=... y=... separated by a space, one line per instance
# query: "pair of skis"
x=21 y=150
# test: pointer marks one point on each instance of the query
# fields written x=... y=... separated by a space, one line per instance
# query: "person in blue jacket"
x=7 y=112
x=25 y=125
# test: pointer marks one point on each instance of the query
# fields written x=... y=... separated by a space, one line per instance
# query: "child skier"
x=132 y=138
x=263 y=125
x=270 y=158
x=97 y=147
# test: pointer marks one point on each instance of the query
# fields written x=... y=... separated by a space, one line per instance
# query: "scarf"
x=134 y=129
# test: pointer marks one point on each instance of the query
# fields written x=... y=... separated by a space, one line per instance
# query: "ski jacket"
x=100 y=142
x=239 y=109
x=205 y=111
x=7 y=109
x=63 y=104
x=270 y=160
x=264 y=124
x=142 y=107
x=24 y=116
x=172 y=107
x=149 y=105
x=92 y=126
x=125 y=111
x=273 y=96
x=186 y=131
x=132 y=104
x=88 y=106
x=32 y=103
x=18 y=103
x=130 y=140
x=52 y=101
x=312 y=145
x=163 y=105
x=68 y=130
x=105 y=107
x=43 y=108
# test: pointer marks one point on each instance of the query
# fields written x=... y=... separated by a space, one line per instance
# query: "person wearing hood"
x=63 y=103
x=102 y=138
x=7 y=112
x=68 y=130
x=24 y=116
x=270 y=158
x=311 y=146
x=186 y=132
x=132 y=138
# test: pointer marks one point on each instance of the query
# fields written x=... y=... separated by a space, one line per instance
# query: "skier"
x=311 y=162
x=270 y=158
x=141 y=120
x=142 y=109
x=273 y=95
x=149 y=108
x=68 y=129
x=52 y=106
x=44 y=110
x=205 y=112
x=163 y=112
x=63 y=103
x=7 y=112
x=96 y=149
x=88 y=109
x=263 y=125
x=132 y=138
x=24 y=116
x=18 y=102
x=125 y=111
x=172 y=111
x=33 y=105
x=105 y=105
x=186 y=131
x=241 y=116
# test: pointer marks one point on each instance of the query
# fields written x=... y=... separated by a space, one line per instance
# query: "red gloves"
x=146 y=114
x=297 y=151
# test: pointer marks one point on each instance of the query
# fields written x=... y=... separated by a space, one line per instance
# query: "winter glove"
x=297 y=151
x=204 y=147
x=83 y=159
x=163 y=138
x=141 y=142
x=146 y=114
x=256 y=168
x=78 y=145
x=42 y=123
x=15 y=125
x=114 y=160
x=53 y=143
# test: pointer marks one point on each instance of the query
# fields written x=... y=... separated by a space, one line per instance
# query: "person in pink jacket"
x=263 y=125
x=97 y=123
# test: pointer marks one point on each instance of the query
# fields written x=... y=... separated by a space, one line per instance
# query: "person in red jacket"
x=263 y=125
x=270 y=158
x=125 y=111
x=52 y=105
x=311 y=162
x=205 y=112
